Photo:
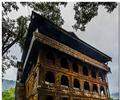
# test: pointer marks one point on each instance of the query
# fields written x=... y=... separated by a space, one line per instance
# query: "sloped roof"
x=48 y=28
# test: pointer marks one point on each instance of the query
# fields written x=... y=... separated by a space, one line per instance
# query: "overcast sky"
x=101 y=32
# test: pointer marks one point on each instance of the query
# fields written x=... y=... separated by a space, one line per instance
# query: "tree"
x=85 y=11
x=8 y=27
x=13 y=31
x=111 y=98
x=8 y=94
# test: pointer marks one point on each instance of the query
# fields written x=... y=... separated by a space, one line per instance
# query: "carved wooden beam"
x=68 y=50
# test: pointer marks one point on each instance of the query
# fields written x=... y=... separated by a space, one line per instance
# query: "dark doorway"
x=49 y=98
x=49 y=77
x=85 y=71
x=65 y=98
x=50 y=56
x=95 y=88
x=64 y=63
x=101 y=76
x=64 y=80
x=86 y=86
x=76 y=83
x=75 y=67
x=102 y=91
x=93 y=73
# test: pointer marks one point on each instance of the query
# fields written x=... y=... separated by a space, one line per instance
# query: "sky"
x=101 y=33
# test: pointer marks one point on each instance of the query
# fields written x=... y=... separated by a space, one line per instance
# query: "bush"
x=8 y=94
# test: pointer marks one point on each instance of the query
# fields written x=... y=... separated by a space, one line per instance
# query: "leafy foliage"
x=14 y=30
x=8 y=6
x=8 y=94
x=50 y=10
x=8 y=34
x=85 y=11
x=111 y=98
x=12 y=33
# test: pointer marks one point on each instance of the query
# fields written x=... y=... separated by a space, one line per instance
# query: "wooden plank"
x=64 y=48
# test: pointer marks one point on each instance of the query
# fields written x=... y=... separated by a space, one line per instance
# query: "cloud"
x=11 y=73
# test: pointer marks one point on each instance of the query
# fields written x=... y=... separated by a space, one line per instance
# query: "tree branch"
x=5 y=41
x=10 y=45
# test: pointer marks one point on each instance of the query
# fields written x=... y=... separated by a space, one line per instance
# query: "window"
x=95 y=88
x=75 y=67
x=64 y=63
x=65 y=98
x=49 y=98
x=50 y=56
x=93 y=73
x=102 y=91
x=49 y=77
x=64 y=80
x=86 y=86
x=76 y=83
x=85 y=71
x=101 y=76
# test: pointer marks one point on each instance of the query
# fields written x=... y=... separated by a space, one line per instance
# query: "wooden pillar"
x=70 y=67
x=71 y=79
x=80 y=70
x=82 y=85
x=91 y=87
x=58 y=79
x=105 y=91
x=96 y=71
x=39 y=67
x=41 y=75
x=57 y=61
x=20 y=91
x=89 y=72
x=98 y=89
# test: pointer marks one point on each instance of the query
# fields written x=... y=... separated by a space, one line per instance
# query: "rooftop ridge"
x=76 y=38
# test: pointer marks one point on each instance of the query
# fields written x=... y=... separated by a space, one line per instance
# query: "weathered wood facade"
x=52 y=70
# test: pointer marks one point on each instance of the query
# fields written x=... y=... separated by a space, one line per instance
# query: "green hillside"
x=8 y=94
